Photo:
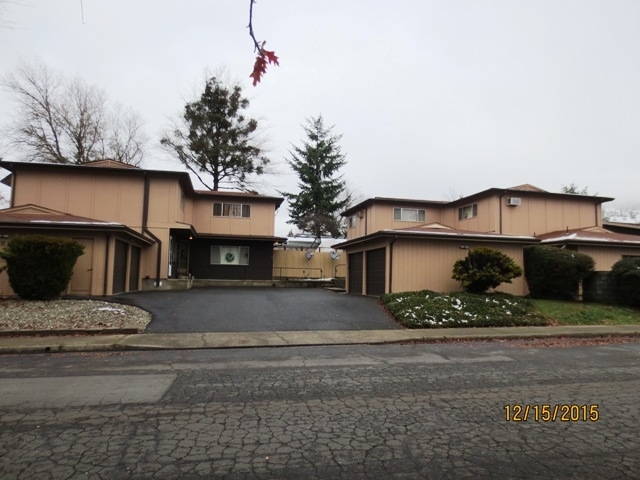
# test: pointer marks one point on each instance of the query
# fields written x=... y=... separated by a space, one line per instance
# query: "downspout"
x=391 y=263
x=500 y=209
x=13 y=189
x=106 y=262
x=366 y=221
x=145 y=218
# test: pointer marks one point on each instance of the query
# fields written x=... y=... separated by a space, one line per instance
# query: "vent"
x=513 y=201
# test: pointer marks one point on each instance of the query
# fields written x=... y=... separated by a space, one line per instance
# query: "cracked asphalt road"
x=368 y=412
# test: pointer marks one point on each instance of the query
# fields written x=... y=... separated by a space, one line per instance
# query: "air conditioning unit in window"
x=513 y=201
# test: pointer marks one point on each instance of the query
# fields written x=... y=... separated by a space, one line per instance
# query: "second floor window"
x=468 y=211
x=352 y=221
x=408 y=214
x=238 y=210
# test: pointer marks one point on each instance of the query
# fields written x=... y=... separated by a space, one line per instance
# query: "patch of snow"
x=115 y=310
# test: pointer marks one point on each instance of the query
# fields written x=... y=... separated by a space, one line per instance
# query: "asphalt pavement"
x=256 y=309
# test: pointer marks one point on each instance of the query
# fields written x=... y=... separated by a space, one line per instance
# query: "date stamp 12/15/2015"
x=552 y=413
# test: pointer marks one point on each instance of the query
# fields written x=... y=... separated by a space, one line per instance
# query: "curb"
x=121 y=341
x=87 y=332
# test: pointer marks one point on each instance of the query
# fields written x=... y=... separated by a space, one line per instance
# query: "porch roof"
x=441 y=232
x=593 y=235
x=52 y=220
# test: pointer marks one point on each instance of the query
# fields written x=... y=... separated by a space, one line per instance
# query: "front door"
x=83 y=269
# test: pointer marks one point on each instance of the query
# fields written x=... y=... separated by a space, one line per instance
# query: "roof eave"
x=438 y=236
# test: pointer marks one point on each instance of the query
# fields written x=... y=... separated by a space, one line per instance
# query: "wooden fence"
x=295 y=264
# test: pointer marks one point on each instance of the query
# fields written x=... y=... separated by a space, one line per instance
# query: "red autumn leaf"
x=271 y=56
x=259 y=69
x=260 y=66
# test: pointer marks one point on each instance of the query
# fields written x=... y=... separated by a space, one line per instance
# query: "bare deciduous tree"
x=63 y=120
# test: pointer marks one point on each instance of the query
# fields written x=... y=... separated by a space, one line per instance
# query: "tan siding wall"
x=381 y=217
x=485 y=221
x=102 y=196
x=261 y=221
x=164 y=198
x=293 y=263
x=361 y=223
x=428 y=265
x=541 y=215
x=149 y=255
x=606 y=257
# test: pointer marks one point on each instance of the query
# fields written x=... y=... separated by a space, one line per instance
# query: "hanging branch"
x=264 y=57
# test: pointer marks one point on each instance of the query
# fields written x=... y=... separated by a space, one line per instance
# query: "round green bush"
x=485 y=268
x=555 y=273
x=40 y=267
x=626 y=281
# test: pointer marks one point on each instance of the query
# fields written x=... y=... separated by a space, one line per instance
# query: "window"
x=224 y=255
x=181 y=200
x=468 y=211
x=352 y=221
x=408 y=214
x=231 y=210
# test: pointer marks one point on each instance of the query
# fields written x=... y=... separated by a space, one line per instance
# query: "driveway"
x=258 y=310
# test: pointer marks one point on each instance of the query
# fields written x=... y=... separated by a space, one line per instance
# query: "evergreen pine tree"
x=217 y=138
x=315 y=209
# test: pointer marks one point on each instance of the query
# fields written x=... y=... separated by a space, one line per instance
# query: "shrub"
x=555 y=273
x=485 y=268
x=626 y=281
x=40 y=267
x=428 y=309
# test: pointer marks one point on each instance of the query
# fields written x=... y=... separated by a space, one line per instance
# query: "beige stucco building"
x=396 y=244
x=141 y=228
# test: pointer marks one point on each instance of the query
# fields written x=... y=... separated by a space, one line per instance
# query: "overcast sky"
x=433 y=98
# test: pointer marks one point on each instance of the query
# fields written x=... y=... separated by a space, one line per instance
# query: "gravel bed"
x=69 y=315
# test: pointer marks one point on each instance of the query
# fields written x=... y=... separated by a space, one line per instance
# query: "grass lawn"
x=579 y=313
x=427 y=309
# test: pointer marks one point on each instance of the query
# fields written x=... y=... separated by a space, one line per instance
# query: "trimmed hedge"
x=626 y=281
x=555 y=273
x=40 y=267
x=485 y=268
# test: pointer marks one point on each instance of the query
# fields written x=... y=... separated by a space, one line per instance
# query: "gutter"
x=145 y=218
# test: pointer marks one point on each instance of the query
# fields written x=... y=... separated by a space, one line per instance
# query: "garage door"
x=355 y=273
x=134 y=268
x=120 y=267
x=376 y=272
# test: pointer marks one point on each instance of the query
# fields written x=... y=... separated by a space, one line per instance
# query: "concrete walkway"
x=176 y=341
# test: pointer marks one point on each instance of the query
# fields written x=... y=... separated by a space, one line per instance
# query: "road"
x=432 y=411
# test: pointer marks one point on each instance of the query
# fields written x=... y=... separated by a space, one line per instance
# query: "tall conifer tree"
x=316 y=207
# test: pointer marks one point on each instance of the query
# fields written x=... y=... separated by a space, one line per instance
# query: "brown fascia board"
x=619 y=227
x=71 y=226
x=219 y=236
x=582 y=237
x=524 y=193
x=248 y=195
x=444 y=235
x=391 y=201
x=183 y=177
x=469 y=199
